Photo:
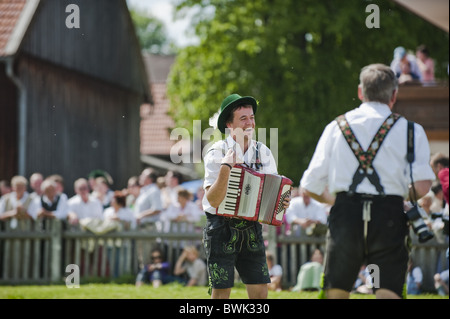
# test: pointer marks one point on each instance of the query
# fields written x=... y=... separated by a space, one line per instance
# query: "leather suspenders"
x=365 y=158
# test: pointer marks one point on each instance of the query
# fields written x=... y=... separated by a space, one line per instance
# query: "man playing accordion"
x=231 y=242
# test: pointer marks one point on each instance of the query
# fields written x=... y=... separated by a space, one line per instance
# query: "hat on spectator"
x=399 y=53
x=101 y=173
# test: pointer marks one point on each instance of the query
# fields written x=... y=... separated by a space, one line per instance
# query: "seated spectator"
x=148 y=205
x=157 y=272
x=310 y=273
x=275 y=273
x=308 y=213
x=98 y=173
x=401 y=56
x=5 y=187
x=119 y=211
x=169 y=192
x=50 y=204
x=425 y=63
x=199 y=197
x=414 y=279
x=36 y=180
x=183 y=210
x=102 y=192
x=133 y=189
x=406 y=76
x=441 y=283
x=191 y=268
x=15 y=205
x=82 y=205
x=59 y=180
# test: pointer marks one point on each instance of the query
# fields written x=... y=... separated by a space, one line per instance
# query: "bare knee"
x=257 y=291
x=221 y=293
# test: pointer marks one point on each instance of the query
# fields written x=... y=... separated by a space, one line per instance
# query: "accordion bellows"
x=255 y=196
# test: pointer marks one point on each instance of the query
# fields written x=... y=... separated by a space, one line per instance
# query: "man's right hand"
x=231 y=158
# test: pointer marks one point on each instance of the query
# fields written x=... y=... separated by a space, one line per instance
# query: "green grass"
x=129 y=291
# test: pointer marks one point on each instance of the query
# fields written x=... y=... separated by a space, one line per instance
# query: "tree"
x=151 y=33
x=300 y=58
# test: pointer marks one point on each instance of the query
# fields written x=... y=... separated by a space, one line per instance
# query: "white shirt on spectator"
x=298 y=209
x=149 y=199
x=191 y=212
x=124 y=214
x=61 y=209
x=92 y=208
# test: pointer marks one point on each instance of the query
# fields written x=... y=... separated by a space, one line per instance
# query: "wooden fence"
x=39 y=252
x=293 y=251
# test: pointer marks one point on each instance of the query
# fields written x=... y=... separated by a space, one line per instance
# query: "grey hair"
x=377 y=82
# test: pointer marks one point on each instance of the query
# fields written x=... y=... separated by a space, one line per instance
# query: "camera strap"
x=410 y=156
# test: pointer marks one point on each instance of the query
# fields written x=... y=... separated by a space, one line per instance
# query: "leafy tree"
x=151 y=33
x=300 y=58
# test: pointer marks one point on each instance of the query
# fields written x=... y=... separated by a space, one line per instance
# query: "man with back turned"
x=360 y=167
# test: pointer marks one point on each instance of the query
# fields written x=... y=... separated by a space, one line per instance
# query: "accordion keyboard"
x=233 y=191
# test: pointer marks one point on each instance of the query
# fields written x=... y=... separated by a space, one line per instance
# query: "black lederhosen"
x=230 y=243
x=386 y=243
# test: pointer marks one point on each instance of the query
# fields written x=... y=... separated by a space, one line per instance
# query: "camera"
x=444 y=219
x=414 y=215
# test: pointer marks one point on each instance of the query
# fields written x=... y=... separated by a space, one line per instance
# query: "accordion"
x=255 y=196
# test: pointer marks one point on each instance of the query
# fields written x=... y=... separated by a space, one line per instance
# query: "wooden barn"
x=72 y=80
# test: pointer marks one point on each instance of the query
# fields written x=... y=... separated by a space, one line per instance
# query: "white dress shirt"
x=61 y=209
x=213 y=159
x=124 y=214
x=93 y=208
x=191 y=212
x=334 y=163
x=298 y=209
x=10 y=201
x=149 y=198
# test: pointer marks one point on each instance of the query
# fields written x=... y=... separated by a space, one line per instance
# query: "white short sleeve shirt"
x=334 y=164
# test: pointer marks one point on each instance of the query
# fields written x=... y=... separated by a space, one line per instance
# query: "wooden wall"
x=77 y=124
x=8 y=126
x=428 y=106
x=105 y=46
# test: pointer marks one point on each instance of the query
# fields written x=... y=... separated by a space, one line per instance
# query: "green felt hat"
x=228 y=104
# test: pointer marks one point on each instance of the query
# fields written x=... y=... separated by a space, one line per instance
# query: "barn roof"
x=15 y=17
x=156 y=124
x=104 y=47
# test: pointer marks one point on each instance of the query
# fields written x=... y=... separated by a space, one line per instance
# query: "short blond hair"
x=19 y=180
x=80 y=182
x=192 y=249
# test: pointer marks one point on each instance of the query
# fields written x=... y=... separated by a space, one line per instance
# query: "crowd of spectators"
x=413 y=67
x=152 y=202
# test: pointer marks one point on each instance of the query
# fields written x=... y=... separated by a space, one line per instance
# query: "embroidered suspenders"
x=365 y=158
